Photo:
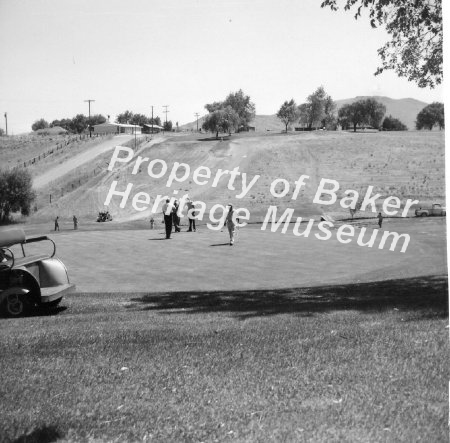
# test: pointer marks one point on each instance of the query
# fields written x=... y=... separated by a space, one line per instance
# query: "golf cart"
x=104 y=216
x=29 y=281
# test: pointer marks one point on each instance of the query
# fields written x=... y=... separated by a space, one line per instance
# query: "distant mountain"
x=405 y=109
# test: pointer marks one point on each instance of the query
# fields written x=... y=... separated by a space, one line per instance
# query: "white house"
x=148 y=128
x=116 y=128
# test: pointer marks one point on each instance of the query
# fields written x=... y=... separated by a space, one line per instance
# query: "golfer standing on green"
x=229 y=223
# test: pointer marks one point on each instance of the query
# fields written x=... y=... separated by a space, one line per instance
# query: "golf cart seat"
x=12 y=237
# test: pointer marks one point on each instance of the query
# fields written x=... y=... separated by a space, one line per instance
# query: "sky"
x=133 y=55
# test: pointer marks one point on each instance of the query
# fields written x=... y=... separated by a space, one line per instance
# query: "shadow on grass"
x=216 y=139
x=425 y=296
x=38 y=311
x=45 y=434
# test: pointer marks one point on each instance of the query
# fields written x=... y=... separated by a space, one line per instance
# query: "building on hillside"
x=246 y=128
x=116 y=128
x=148 y=128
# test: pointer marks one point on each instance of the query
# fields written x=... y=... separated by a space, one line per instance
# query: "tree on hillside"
x=16 y=193
x=214 y=106
x=65 y=123
x=221 y=120
x=351 y=115
x=303 y=114
x=393 y=124
x=430 y=116
x=368 y=112
x=78 y=124
x=415 y=27
x=231 y=120
x=156 y=121
x=125 y=117
x=288 y=113
x=2 y=132
x=240 y=103
x=139 y=119
x=39 y=124
x=318 y=109
x=329 y=110
x=168 y=125
x=97 y=119
x=374 y=111
x=213 y=122
x=244 y=108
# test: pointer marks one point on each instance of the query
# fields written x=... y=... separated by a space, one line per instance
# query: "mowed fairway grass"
x=347 y=359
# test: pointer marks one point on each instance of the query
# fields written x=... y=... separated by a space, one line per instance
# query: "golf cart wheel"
x=15 y=305
x=424 y=214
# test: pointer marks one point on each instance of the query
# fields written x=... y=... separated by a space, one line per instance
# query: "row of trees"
x=131 y=118
x=319 y=111
x=76 y=125
x=80 y=122
x=16 y=193
x=233 y=114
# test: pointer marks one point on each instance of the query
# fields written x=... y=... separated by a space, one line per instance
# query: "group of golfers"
x=74 y=219
x=172 y=219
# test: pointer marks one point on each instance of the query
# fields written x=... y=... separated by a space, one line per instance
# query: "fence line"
x=60 y=146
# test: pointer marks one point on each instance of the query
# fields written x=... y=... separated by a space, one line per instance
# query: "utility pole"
x=166 y=111
x=6 y=122
x=197 y=114
x=152 y=119
x=89 y=101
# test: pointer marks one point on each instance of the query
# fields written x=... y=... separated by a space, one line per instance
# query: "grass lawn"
x=364 y=362
x=278 y=338
x=111 y=259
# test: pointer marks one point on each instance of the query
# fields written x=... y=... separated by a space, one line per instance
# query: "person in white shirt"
x=191 y=215
x=229 y=223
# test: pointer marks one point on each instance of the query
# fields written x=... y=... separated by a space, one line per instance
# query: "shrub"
x=393 y=124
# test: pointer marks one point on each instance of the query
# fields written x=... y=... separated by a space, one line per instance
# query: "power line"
x=166 y=111
x=89 y=101
x=197 y=114
x=152 y=119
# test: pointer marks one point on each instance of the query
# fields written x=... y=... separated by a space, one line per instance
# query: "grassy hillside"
x=40 y=152
x=406 y=165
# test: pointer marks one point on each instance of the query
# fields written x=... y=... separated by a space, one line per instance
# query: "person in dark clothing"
x=380 y=219
x=191 y=215
x=167 y=212
x=175 y=216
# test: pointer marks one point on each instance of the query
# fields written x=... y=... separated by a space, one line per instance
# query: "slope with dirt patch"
x=406 y=165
